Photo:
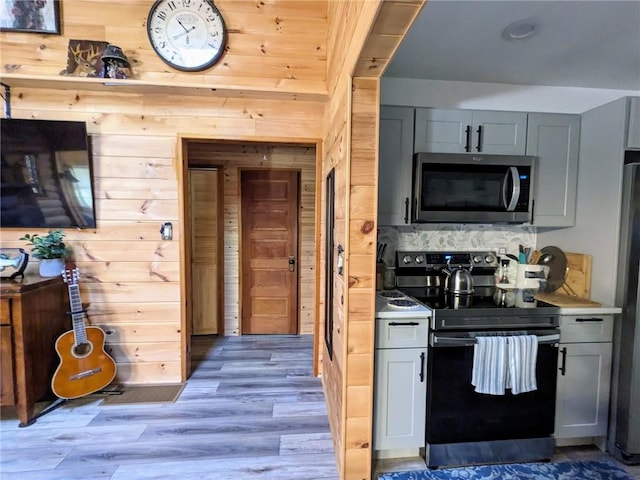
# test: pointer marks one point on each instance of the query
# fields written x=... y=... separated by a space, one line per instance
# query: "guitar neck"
x=77 y=314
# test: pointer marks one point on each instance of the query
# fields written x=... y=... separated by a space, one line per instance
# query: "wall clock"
x=189 y=35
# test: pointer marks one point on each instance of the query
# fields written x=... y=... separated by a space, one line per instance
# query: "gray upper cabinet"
x=633 y=136
x=395 y=165
x=555 y=140
x=470 y=131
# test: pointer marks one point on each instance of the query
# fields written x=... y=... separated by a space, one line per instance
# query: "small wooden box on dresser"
x=33 y=315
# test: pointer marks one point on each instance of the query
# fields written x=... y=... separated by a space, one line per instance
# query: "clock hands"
x=184 y=28
x=186 y=32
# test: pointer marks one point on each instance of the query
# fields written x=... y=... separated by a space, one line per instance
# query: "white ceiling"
x=592 y=44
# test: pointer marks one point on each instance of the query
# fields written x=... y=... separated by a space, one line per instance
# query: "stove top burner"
x=440 y=300
x=403 y=303
x=391 y=294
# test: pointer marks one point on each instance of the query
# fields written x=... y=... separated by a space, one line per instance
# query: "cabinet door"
x=443 y=131
x=633 y=135
x=501 y=133
x=395 y=165
x=582 y=402
x=467 y=131
x=555 y=140
x=400 y=398
x=7 y=396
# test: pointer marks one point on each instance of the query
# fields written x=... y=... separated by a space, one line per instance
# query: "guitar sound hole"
x=82 y=349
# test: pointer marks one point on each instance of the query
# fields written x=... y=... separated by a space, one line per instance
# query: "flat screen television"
x=46 y=176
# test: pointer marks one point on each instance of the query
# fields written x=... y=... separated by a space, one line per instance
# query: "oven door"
x=456 y=413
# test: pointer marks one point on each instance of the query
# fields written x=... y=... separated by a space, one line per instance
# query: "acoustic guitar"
x=84 y=367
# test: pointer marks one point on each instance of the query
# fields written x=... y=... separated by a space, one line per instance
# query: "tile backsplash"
x=458 y=237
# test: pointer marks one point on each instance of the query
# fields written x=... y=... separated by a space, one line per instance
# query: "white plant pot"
x=51 y=267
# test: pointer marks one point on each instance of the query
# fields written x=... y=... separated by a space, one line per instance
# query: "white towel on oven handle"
x=489 y=370
x=522 y=354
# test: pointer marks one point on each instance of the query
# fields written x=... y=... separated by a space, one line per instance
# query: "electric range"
x=422 y=276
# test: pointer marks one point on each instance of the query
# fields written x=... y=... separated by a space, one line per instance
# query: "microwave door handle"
x=515 y=190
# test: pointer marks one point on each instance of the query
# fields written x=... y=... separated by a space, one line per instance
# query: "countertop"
x=602 y=310
x=384 y=310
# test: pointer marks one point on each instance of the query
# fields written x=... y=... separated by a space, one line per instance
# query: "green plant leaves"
x=47 y=246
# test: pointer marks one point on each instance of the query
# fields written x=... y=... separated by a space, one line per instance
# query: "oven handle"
x=437 y=341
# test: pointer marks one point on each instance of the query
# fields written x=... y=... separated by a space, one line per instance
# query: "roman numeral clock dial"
x=188 y=35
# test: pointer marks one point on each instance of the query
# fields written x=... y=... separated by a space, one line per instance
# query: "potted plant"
x=50 y=250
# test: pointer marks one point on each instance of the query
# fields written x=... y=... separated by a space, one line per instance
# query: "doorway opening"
x=256 y=288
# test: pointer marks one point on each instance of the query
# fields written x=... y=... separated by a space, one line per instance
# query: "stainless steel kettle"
x=459 y=280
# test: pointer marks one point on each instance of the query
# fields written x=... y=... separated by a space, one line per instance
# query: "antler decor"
x=84 y=58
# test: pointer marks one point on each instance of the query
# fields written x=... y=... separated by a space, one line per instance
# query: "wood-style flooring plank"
x=286 y=467
x=161 y=451
x=224 y=428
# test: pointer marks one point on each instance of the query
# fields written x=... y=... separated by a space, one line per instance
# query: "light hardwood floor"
x=251 y=409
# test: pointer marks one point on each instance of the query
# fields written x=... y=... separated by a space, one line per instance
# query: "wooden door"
x=205 y=256
x=269 y=258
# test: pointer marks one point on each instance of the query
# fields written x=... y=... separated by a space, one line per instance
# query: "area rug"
x=143 y=394
x=585 y=470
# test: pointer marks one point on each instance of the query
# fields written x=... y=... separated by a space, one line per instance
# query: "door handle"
x=292 y=263
x=422 y=367
x=479 y=146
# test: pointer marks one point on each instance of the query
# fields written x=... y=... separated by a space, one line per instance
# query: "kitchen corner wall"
x=460 y=237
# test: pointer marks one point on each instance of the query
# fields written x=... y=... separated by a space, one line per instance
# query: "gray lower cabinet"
x=555 y=140
x=582 y=401
x=400 y=400
x=395 y=165
x=400 y=389
x=470 y=131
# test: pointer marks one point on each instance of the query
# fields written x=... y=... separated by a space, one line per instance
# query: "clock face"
x=188 y=35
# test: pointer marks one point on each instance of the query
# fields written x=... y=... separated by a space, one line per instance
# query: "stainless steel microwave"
x=474 y=188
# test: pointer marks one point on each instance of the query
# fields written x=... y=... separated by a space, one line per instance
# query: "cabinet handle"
x=403 y=324
x=533 y=210
x=479 y=147
x=422 y=367
x=563 y=367
x=593 y=319
x=467 y=146
x=406 y=210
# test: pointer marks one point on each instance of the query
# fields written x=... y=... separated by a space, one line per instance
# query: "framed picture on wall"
x=34 y=16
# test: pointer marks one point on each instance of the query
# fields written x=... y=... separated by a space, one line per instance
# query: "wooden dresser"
x=33 y=314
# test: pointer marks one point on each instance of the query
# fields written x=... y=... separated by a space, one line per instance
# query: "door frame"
x=182 y=166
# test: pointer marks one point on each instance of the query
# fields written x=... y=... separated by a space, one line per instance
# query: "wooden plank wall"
x=349 y=24
x=273 y=45
x=131 y=278
x=363 y=209
x=372 y=31
x=235 y=156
